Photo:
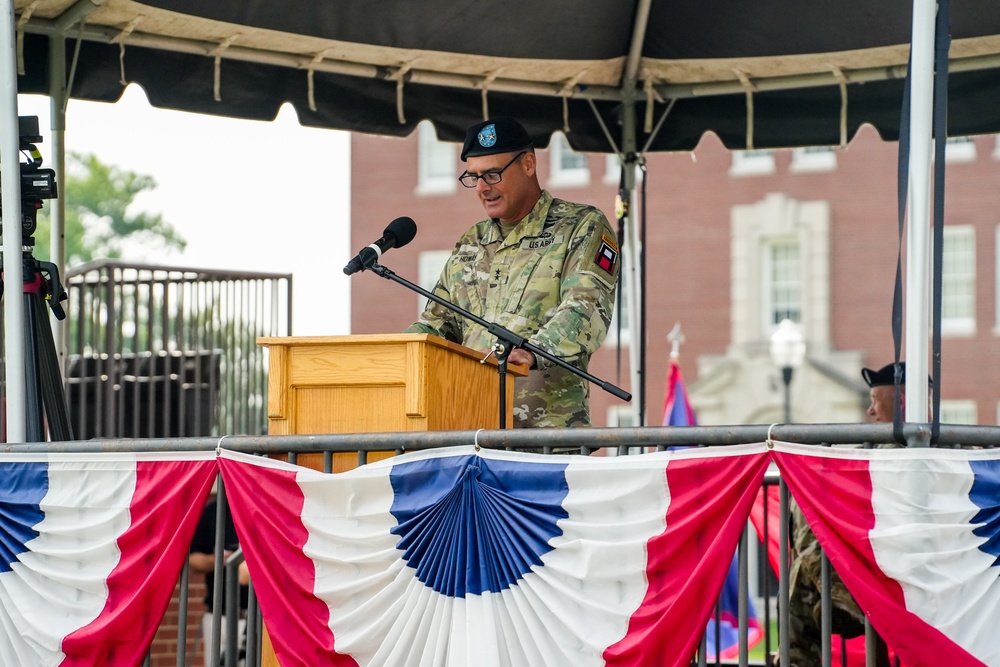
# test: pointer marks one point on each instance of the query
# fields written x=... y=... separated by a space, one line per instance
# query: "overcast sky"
x=258 y=196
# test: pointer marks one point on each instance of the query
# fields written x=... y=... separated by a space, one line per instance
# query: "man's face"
x=882 y=399
x=511 y=198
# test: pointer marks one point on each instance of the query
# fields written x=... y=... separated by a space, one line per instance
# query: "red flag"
x=677 y=410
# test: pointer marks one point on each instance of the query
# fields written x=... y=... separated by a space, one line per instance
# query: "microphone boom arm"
x=502 y=334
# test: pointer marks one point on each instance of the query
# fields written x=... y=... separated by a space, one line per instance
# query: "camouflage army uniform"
x=805 y=578
x=551 y=281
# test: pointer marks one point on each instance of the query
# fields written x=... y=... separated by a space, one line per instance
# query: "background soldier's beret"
x=496 y=135
x=886 y=375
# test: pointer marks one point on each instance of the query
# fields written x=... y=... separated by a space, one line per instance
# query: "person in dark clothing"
x=202 y=559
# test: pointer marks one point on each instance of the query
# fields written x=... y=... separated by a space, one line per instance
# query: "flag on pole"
x=722 y=632
x=91 y=548
x=915 y=535
x=677 y=410
x=457 y=557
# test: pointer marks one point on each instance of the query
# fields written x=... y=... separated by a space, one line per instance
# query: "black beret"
x=886 y=375
x=496 y=135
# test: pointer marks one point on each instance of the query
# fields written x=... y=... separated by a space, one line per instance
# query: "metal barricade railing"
x=588 y=441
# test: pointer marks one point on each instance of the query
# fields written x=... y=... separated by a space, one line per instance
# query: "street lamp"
x=788 y=351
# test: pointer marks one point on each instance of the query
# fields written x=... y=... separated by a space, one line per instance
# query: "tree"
x=98 y=220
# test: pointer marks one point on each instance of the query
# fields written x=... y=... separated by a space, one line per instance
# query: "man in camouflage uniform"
x=805 y=637
x=541 y=267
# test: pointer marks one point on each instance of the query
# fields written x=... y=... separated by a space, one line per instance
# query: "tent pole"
x=57 y=210
x=633 y=250
x=918 y=229
x=10 y=185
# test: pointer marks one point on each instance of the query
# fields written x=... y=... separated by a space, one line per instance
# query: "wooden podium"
x=378 y=383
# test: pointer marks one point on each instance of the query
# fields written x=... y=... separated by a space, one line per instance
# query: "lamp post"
x=788 y=351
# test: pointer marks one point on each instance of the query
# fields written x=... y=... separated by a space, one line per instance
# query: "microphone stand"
x=507 y=341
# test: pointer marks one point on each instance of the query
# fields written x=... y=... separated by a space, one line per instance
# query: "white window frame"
x=436 y=163
x=960 y=149
x=811 y=159
x=561 y=174
x=768 y=282
x=958 y=272
x=430 y=264
x=621 y=416
x=752 y=163
x=612 y=170
x=959 y=411
x=774 y=217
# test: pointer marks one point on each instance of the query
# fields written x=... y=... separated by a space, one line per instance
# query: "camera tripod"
x=45 y=400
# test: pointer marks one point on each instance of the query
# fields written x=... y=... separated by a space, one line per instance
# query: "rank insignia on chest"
x=607 y=254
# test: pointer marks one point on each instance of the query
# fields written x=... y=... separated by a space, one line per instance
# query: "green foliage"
x=99 y=221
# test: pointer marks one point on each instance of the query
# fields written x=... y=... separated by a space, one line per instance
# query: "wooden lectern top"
x=381 y=382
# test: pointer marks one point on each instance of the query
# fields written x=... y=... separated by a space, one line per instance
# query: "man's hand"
x=203 y=562
x=522 y=357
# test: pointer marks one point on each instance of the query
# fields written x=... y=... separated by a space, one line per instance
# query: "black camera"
x=37 y=184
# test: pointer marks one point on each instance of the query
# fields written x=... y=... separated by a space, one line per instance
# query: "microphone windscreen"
x=403 y=229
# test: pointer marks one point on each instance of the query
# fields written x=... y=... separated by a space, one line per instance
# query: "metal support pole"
x=783 y=588
x=743 y=598
x=786 y=376
x=10 y=185
x=57 y=207
x=918 y=262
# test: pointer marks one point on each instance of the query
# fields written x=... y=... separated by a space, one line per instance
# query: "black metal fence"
x=158 y=352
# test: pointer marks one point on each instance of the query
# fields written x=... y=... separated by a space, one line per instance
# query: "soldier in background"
x=805 y=638
x=541 y=267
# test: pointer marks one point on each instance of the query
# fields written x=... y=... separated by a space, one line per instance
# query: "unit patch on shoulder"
x=607 y=254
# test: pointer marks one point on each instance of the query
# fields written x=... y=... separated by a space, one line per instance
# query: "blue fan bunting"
x=469 y=525
x=984 y=494
x=24 y=486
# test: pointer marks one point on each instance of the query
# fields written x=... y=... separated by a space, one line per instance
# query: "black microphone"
x=397 y=233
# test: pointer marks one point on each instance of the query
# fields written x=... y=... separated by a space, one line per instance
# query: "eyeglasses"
x=490 y=177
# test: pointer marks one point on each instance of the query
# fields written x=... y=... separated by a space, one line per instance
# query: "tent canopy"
x=766 y=75
x=614 y=75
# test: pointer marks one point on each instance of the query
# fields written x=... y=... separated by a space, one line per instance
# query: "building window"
x=621 y=416
x=782 y=282
x=813 y=158
x=959 y=412
x=567 y=167
x=780 y=267
x=960 y=149
x=613 y=170
x=436 y=162
x=752 y=163
x=430 y=264
x=958 y=280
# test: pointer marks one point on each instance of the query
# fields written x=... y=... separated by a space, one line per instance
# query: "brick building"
x=735 y=242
